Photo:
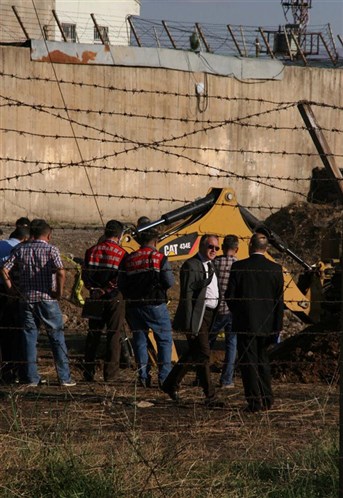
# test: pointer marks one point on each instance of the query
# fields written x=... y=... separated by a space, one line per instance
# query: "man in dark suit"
x=199 y=297
x=255 y=298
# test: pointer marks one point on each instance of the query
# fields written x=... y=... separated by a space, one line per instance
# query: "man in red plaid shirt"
x=102 y=264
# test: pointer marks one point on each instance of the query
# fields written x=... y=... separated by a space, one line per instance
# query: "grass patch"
x=312 y=473
x=59 y=472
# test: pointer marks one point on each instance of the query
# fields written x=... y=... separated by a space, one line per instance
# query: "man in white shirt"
x=199 y=298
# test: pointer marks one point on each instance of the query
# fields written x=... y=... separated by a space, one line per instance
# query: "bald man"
x=255 y=299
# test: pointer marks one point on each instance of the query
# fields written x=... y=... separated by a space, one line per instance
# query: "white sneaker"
x=41 y=382
x=68 y=383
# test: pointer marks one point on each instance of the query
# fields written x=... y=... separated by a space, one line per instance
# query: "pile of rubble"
x=313 y=232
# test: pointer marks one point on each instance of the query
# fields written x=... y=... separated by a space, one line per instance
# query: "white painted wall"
x=111 y=14
x=108 y=13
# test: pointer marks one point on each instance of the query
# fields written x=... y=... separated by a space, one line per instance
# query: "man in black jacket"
x=199 y=298
x=255 y=298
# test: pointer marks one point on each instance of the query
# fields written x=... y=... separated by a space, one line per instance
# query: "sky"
x=241 y=12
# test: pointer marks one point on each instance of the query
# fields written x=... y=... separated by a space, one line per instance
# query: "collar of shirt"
x=39 y=241
x=150 y=247
x=212 y=293
x=206 y=266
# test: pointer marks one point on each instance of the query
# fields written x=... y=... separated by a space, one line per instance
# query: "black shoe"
x=215 y=369
x=172 y=393
x=251 y=409
x=266 y=408
x=160 y=384
x=146 y=383
x=214 y=403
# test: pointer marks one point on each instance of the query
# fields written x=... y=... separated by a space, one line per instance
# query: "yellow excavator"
x=219 y=213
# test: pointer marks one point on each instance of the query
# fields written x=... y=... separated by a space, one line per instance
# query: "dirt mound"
x=313 y=232
x=311 y=356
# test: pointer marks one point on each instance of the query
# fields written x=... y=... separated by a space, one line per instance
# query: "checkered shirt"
x=223 y=266
x=36 y=263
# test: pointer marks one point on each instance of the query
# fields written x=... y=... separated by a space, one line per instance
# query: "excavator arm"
x=219 y=213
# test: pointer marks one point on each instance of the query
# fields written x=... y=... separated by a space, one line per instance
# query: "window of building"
x=69 y=31
x=104 y=34
x=46 y=32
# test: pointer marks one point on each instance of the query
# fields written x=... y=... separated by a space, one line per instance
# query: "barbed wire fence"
x=103 y=408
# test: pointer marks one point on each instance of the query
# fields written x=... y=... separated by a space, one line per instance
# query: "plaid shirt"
x=36 y=263
x=223 y=266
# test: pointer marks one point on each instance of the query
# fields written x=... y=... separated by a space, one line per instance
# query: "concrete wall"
x=153 y=144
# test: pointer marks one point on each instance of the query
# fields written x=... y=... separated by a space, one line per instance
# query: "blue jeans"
x=140 y=320
x=49 y=313
x=224 y=322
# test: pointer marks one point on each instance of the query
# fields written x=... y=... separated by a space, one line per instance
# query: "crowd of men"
x=243 y=298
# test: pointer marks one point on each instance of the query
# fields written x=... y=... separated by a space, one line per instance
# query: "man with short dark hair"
x=41 y=281
x=199 y=298
x=223 y=319
x=143 y=220
x=102 y=265
x=22 y=222
x=147 y=278
x=255 y=298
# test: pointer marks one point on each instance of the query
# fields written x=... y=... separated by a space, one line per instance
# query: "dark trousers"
x=253 y=360
x=11 y=340
x=113 y=319
x=198 y=354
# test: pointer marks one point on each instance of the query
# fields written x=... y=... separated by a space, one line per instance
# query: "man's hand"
x=56 y=295
x=274 y=338
x=5 y=274
x=11 y=292
x=60 y=279
x=97 y=293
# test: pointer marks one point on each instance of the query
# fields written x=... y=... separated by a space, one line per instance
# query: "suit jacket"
x=191 y=307
x=255 y=295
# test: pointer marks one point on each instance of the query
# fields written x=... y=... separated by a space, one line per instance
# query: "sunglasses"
x=211 y=246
